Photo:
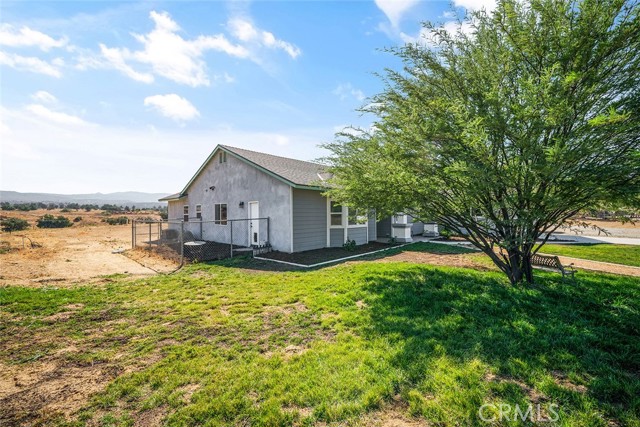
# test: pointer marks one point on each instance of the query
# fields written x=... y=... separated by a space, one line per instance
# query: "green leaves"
x=530 y=117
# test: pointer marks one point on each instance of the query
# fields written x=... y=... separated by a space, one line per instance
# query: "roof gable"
x=296 y=173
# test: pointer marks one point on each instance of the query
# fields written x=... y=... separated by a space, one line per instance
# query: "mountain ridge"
x=120 y=197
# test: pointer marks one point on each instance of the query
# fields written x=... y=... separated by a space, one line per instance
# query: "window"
x=222 y=157
x=336 y=214
x=357 y=217
x=199 y=211
x=185 y=213
x=220 y=214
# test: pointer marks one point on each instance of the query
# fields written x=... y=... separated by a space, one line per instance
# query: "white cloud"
x=44 y=96
x=172 y=106
x=245 y=31
x=489 y=5
x=54 y=116
x=395 y=9
x=116 y=59
x=424 y=37
x=26 y=37
x=166 y=53
x=345 y=90
x=32 y=64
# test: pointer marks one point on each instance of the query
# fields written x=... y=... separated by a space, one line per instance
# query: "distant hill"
x=121 y=198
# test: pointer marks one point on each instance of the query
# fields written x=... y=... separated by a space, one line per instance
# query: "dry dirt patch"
x=449 y=260
x=67 y=255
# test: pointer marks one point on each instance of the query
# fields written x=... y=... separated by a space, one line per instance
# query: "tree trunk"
x=519 y=266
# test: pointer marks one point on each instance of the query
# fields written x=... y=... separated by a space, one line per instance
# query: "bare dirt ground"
x=86 y=251
x=614 y=228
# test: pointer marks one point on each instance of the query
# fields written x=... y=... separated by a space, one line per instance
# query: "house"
x=238 y=186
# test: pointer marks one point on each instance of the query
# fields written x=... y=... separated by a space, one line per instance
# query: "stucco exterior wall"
x=175 y=210
x=236 y=181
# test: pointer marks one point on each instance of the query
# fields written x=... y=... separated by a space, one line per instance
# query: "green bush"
x=77 y=219
x=349 y=245
x=14 y=224
x=445 y=234
x=49 y=221
x=121 y=220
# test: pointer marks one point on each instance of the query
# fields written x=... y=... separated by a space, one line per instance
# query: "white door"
x=254 y=225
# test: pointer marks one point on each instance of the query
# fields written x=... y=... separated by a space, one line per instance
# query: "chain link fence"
x=196 y=240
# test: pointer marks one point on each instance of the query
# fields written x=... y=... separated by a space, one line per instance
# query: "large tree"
x=506 y=128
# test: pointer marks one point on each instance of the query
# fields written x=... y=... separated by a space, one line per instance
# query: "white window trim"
x=218 y=222
x=183 y=213
x=343 y=217
x=199 y=211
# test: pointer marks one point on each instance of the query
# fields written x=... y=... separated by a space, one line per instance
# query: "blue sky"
x=117 y=96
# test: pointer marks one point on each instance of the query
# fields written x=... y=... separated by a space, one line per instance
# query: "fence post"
x=133 y=234
x=231 y=238
x=181 y=242
x=149 y=235
x=268 y=236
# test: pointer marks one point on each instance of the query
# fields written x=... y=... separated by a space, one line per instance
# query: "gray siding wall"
x=309 y=220
x=235 y=181
x=336 y=237
x=358 y=234
x=373 y=233
x=417 y=228
x=383 y=229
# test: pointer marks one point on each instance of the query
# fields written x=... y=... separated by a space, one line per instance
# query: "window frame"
x=185 y=213
x=223 y=157
x=199 y=212
x=333 y=213
x=217 y=214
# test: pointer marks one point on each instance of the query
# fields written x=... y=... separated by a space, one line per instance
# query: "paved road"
x=595 y=239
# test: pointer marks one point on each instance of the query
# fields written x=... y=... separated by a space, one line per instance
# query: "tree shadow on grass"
x=457 y=329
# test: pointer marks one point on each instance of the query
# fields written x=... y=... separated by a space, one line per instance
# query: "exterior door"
x=254 y=224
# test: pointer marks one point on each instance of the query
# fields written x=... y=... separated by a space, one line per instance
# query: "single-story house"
x=234 y=183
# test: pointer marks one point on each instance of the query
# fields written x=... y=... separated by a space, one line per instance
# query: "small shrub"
x=121 y=220
x=65 y=210
x=445 y=234
x=49 y=221
x=77 y=219
x=349 y=245
x=5 y=247
x=14 y=224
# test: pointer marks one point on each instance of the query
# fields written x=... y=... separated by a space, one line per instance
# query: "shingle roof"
x=171 y=197
x=297 y=172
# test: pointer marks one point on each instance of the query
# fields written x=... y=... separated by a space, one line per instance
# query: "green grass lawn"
x=234 y=344
x=619 y=254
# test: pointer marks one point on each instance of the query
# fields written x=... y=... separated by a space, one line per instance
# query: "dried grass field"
x=81 y=253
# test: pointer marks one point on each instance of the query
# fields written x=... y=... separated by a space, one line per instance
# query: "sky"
x=133 y=96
